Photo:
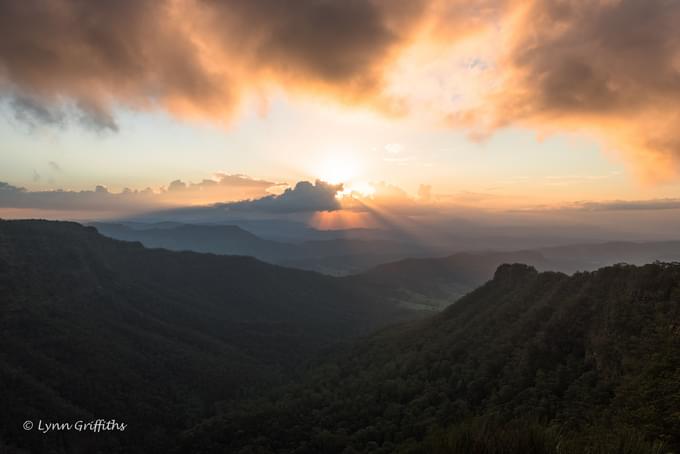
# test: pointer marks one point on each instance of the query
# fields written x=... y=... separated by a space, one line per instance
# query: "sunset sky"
x=493 y=104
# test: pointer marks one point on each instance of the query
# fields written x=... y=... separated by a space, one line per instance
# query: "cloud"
x=298 y=203
x=235 y=194
x=609 y=68
x=610 y=206
x=79 y=59
x=425 y=192
x=96 y=200
x=304 y=197
x=393 y=148
x=33 y=113
x=388 y=199
x=629 y=205
x=222 y=188
x=195 y=58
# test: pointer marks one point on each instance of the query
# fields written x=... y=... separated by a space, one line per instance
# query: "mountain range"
x=333 y=252
x=96 y=327
x=355 y=251
x=207 y=353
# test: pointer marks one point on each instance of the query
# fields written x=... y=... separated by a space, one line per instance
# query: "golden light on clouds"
x=608 y=68
x=604 y=68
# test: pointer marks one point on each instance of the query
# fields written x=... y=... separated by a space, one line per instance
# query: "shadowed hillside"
x=211 y=353
x=528 y=363
x=434 y=283
x=98 y=328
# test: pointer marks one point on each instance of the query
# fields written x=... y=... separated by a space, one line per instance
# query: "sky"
x=112 y=108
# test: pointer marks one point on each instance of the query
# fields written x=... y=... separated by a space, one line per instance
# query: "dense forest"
x=92 y=327
x=528 y=363
x=434 y=283
x=200 y=353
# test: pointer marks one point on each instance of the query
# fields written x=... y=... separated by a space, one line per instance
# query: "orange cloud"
x=193 y=57
x=202 y=58
x=609 y=68
x=221 y=188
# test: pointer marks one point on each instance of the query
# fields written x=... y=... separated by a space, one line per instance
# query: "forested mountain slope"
x=528 y=363
x=92 y=327
x=434 y=283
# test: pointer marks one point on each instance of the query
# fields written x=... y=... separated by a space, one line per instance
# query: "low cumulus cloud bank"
x=304 y=197
x=235 y=194
x=331 y=207
x=629 y=205
x=298 y=202
x=223 y=187
x=95 y=200
x=389 y=199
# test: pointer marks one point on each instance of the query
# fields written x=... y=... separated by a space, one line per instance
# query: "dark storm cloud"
x=329 y=40
x=190 y=57
x=304 y=197
x=32 y=112
x=601 y=56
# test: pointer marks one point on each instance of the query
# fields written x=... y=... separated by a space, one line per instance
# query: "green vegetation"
x=434 y=283
x=92 y=327
x=200 y=353
x=530 y=362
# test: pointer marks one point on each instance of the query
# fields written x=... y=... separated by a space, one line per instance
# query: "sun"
x=339 y=167
x=341 y=164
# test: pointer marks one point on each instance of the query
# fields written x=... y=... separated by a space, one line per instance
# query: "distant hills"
x=355 y=251
x=592 y=256
x=437 y=282
x=434 y=283
x=527 y=363
x=400 y=270
x=93 y=327
x=222 y=239
x=331 y=252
